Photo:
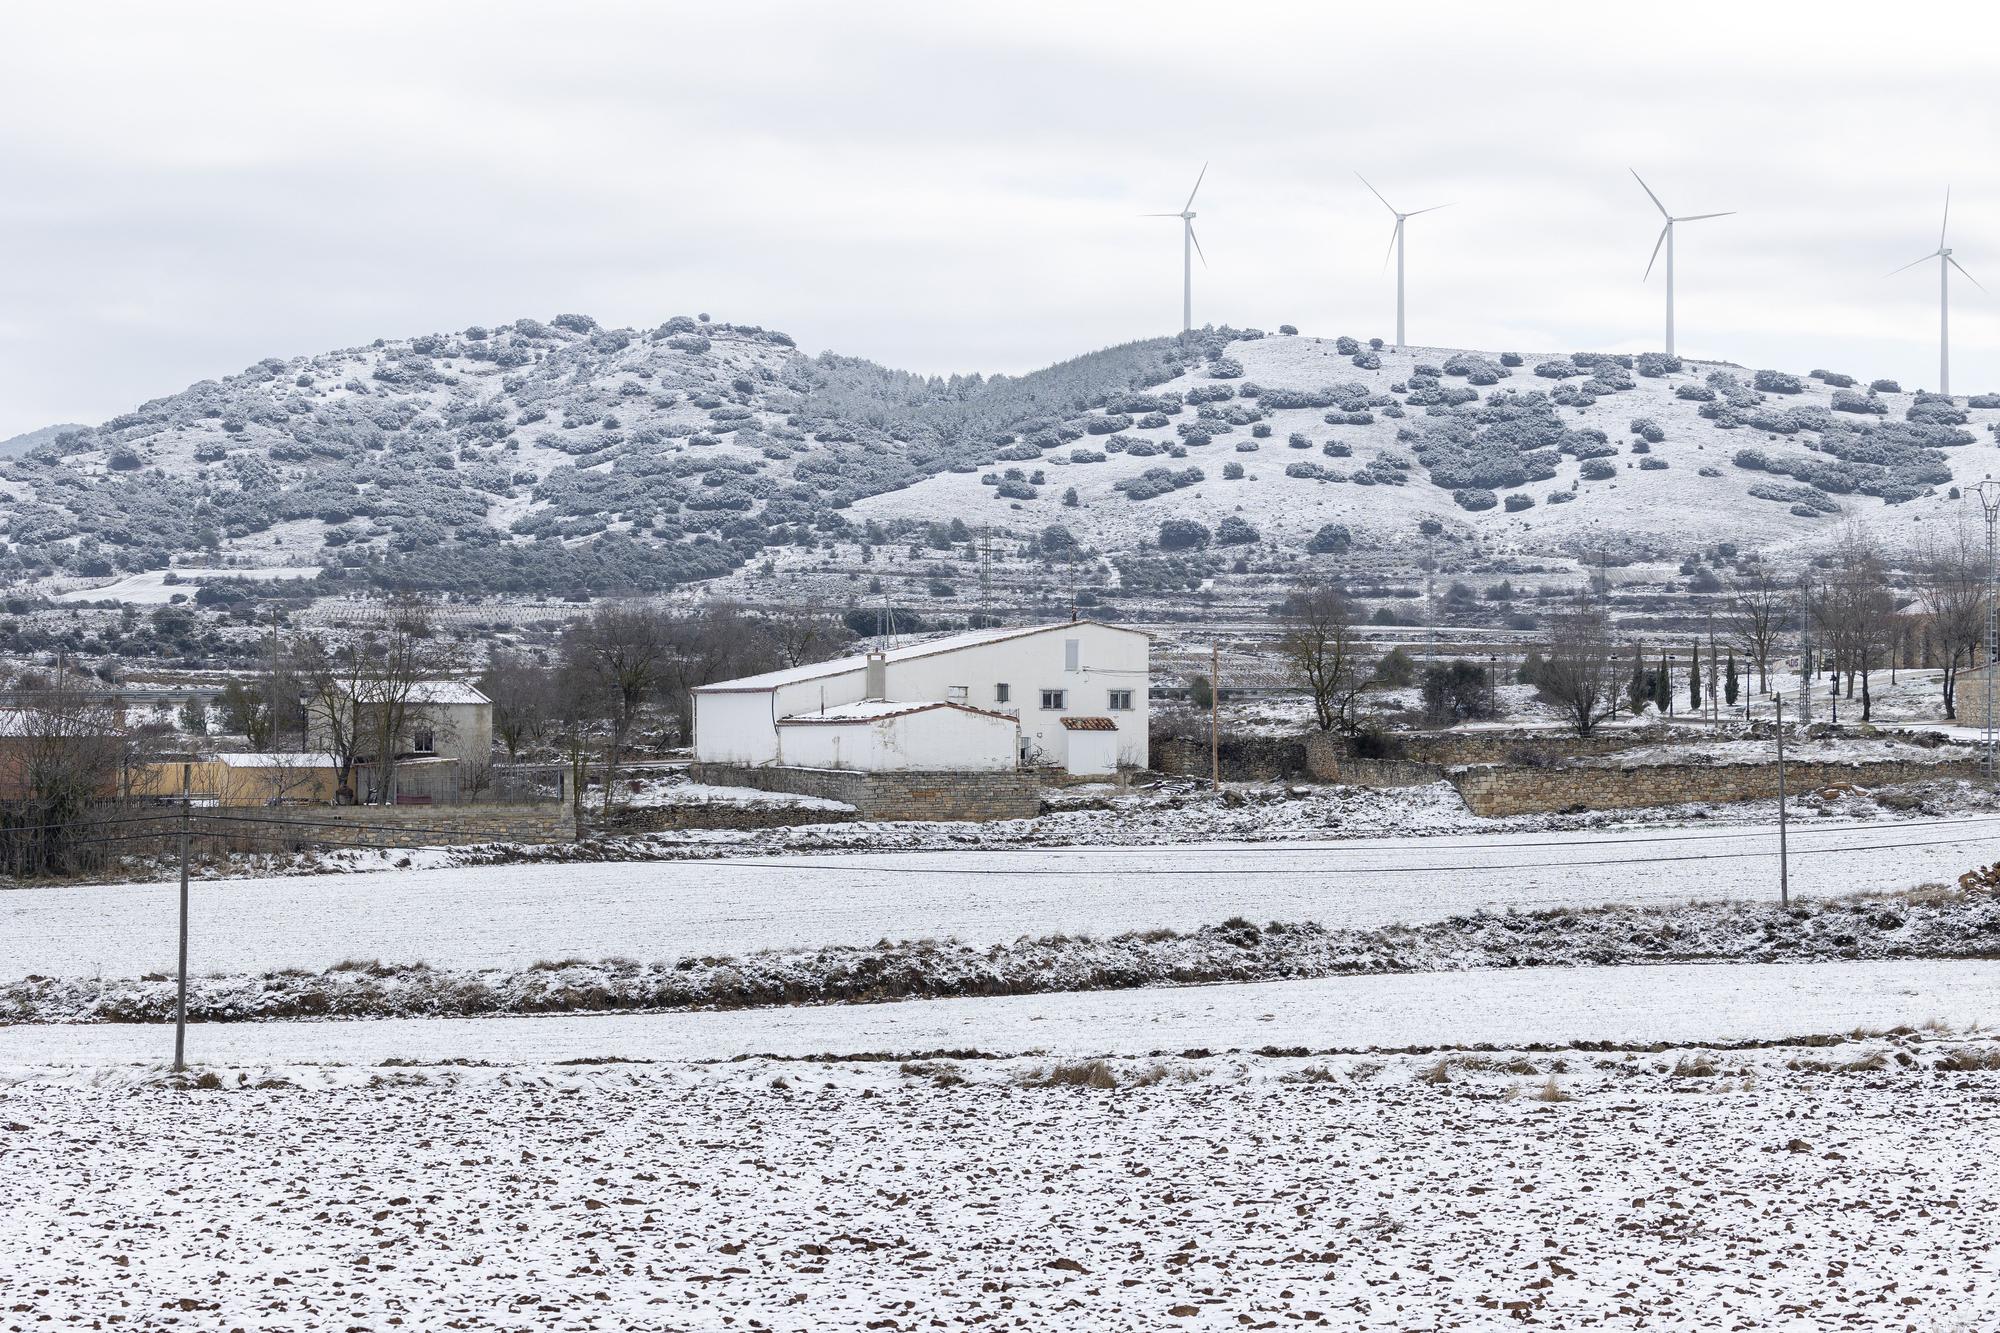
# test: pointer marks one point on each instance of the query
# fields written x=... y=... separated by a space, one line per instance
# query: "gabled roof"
x=280 y=760
x=1089 y=724
x=875 y=710
x=950 y=643
x=429 y=692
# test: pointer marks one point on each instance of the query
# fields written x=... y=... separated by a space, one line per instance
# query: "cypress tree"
x=1694 y=680
x=1729 y=680
x=1663 y=685
x=1640 y=688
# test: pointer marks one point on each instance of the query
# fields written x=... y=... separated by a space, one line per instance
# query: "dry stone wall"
x=921 y=796
x=1495 y=791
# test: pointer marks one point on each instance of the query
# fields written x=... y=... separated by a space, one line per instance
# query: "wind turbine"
x=1945 y=265
x=1396 y=248
x=1190 y=247
x=1667 y=239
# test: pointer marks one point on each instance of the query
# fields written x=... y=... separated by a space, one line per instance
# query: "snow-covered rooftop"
x=287 y=759
x=874 y=710
x=949 y=643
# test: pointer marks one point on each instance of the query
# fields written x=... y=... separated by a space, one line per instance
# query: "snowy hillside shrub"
x=1935 y=409
x=1366 y=360
x=1983 y=400
x=1884 y=386
x=1297 y=440
x=1648 y=429
x=1110 y=425
x=1247 y=446
x=1288 y=330
x=1139 y=448
x=1233 y=531
x=1516 y=503
x=1833 y=379
x=1846 y=400
x=1468 y=365
x=1573 y=395
x=1560 y=497
x=1226 y=368
x=1641 y=447
x=1557 y=369
x=1803 y=500
x=1361 y=417
x=1336 y=449
x=1262 y=430
x=1597 y=469
x=1511 y=358
x=1695 y=393
x=1157 y=481
x=1232 y=471
x=1331 y=539
x=1346 y=346
x=1153 y=421
x=1654 y=365
x=1777 y=381
x=1474 y=498
x=1180 y=534
x=1209 y=393
x=1312 y=471
x=1085 y=456
x=1652 y=464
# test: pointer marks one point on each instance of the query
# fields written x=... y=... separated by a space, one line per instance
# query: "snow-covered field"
x=1848 y=1187
x=1508 y=1007
x=152 y=589
x=511 y=916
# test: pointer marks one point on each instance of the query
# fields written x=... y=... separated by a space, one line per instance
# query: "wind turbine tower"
x=1190 y=247
x=1396 y=249
x=1946 y=263
x=1667 y=239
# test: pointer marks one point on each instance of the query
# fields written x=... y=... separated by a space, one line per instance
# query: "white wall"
x=936 y=740
x=739 y=729
x=1091 y=752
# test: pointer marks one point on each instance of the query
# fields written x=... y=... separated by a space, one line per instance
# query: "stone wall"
x=925 y=796
x=715 y=815
x=1496 y=790
x=421 y=825
x=1243 y=758
x=1452 y=748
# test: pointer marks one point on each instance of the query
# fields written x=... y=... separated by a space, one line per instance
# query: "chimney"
x=875 y=677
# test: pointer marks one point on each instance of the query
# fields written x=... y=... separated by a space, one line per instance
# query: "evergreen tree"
x=1694 y=680
x=1663 y=686
x=1640 y=688
x=1729 y=681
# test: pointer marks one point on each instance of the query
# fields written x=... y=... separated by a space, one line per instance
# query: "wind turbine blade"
x=1649 y=193
x=1159 y=215
x=1377 y=193
x=1197 y=188
x=1700 y=216
x=1656 y=251
x=1432 y=209
x=1968 y=277
x=1947 y=219
x=1912 y=264
x=1197 y=244
x=1394 y=236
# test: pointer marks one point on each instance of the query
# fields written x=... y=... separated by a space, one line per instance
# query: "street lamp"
x=1988 y=492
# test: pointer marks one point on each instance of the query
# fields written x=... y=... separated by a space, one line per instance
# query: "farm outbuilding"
x=943 y=705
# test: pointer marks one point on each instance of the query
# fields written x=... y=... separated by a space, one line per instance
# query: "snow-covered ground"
x=648 y=791
x=511 y=916
x=1508 y=1007
x=1832 y=1187
x=153 y=589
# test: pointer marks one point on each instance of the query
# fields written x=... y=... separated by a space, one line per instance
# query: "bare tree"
x=1857 y=612
x=1759 y=612
x=1950 y=573
x=523 y=695
x=62 y=752
x=714 y=642
x=1322 y=651
x=1578 y=670
x=619 y=657
x=801 y=637
x=366 y=697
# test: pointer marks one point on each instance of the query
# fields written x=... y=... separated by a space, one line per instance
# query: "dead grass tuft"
x=1073 y=1074
x=1552 y=1091
x=1695 y=1064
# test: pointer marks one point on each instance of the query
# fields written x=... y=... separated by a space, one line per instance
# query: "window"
x=1001 y=694
x=424 y=742
x=1072 y=654
x=957 y=694
x=1052 y=700
x=1120 y=702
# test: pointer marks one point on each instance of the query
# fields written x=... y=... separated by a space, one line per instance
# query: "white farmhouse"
x=1071 y=695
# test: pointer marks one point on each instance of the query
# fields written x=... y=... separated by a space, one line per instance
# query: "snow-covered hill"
x=1545 y=456
x=558 y=457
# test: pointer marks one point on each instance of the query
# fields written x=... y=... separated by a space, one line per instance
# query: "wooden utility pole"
x=181 y=986
x=1214 y=702
x=1784 y=867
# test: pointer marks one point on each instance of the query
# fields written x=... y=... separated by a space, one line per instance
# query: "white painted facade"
x=1090 y=752
x=1036 y=676
x=900 y=738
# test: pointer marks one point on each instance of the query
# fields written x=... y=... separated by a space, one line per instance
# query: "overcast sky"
x=187 y=188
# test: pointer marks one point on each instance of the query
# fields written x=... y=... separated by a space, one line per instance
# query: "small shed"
x=1090 y=745
x=885 y=736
